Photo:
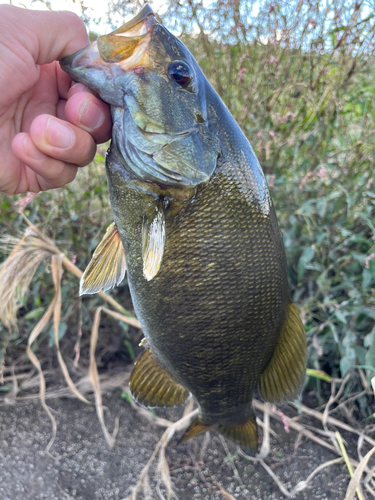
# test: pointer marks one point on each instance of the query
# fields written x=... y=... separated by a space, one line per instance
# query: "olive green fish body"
x=213 y=314
x=204 y=255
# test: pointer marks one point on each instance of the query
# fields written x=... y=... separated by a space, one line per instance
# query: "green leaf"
x=320 y=374
x=306 y=257
x=130 y=349
x=307 y=208
x=346 y=363
x=62 y=330
x=340 y=316
x=126 y=396
x=366 y=279
x=369 y=341
x=35 y=313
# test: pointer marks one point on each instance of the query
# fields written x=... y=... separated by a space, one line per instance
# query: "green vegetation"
x=300 y=82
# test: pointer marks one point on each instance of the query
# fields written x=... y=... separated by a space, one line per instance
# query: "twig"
x=265 y=448
x=235 y=471
x=355 y=480
x=78 y=273
x=331 y=420
x=347 y=461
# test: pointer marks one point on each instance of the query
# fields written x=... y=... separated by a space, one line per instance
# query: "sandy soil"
x=81 y=466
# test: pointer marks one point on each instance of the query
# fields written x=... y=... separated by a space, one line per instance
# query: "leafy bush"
x=299 y=79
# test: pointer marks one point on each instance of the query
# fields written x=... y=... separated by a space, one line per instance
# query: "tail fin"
x=245 y=435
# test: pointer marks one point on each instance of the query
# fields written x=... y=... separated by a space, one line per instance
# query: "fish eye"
x=180 y=72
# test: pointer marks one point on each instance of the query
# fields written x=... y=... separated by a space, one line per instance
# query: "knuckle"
x=76 y=24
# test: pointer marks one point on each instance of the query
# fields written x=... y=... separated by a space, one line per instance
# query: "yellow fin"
x=152 y=386
x=153 y=243
x=283 y=378
x=107 y=267
x=196 y=428
x=245 y=435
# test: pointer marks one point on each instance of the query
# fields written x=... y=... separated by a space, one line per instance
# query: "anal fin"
x=283 y=378
x=152 y=386
x=107 y=266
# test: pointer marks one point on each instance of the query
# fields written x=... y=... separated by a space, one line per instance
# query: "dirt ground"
x=81 y=466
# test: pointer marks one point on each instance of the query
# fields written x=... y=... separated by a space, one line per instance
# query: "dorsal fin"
x=153 y=243
x=152 y=386
x=107 y=267
x=283 y=378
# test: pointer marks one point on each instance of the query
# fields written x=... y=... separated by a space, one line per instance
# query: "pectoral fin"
x=152 y=386
x=153 y=243
x=107 y=267
x=283 y=378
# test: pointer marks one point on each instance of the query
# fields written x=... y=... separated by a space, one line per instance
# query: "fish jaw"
x=102 y=62
x=160 y=129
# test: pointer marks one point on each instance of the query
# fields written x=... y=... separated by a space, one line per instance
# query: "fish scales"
x=204 y=255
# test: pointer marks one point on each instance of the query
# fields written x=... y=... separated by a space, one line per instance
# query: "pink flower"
x=322 y=172
x=287 y=117
x=312 y=22
x=271 y=181
x=283 y=419
x=271 y=60
x=304 y=180
x=368 y=259
x=317 y=346
x=240 y=73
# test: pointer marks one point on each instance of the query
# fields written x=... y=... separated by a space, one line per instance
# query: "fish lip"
x=127 y=47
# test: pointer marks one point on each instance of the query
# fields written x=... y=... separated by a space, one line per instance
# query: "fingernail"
x=90 y=114
x=31 y=151
x=58 y=135
x=76 y=88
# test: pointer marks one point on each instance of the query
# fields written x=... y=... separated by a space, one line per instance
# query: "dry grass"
x=33 y=249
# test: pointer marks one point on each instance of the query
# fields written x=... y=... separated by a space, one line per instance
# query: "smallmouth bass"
x=195 y=227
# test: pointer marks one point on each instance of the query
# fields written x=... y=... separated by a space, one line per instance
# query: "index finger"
x=47 y=35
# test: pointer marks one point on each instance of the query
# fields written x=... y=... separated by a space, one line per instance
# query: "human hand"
x=47 y=128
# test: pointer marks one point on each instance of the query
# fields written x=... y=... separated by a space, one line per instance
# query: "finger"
x=64 y=82
x=62 y=140
x=51 y=173
x=76 y=88
x=89 y=113
x=80 y=87
x=47 y=35
x=60 y=110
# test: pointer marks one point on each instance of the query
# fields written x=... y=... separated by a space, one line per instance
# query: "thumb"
x=48 y=35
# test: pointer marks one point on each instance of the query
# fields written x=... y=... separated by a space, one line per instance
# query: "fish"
x=196 y=230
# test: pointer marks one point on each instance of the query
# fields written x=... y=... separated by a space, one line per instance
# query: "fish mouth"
x=148 y=146
x=124 y=49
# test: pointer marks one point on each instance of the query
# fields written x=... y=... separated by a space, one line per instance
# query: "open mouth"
x=127 y=47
